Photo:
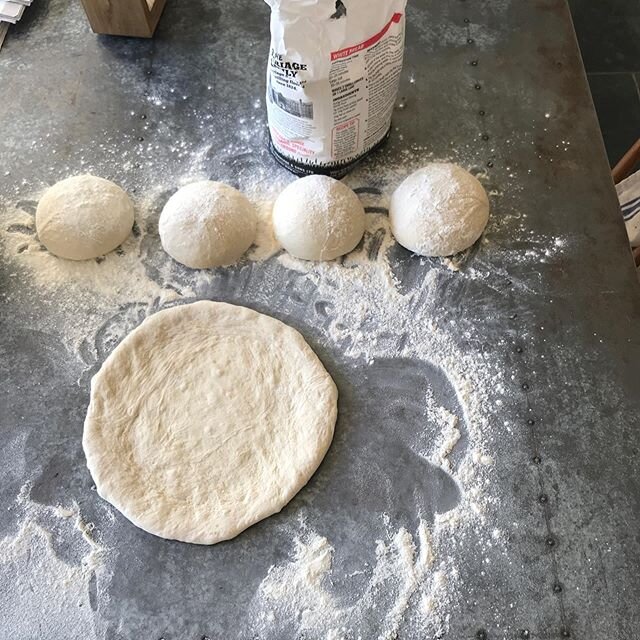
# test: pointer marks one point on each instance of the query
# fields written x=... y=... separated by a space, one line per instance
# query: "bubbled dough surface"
x=83 y=217
x=207 y=224
x=318 y=218
x=206 y=419
x=439 y=210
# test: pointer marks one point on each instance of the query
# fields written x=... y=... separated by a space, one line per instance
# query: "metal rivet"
x=557 y=588
x=550 y=541
x=513 y=316
x=477 y=87
x=140 y=139
x=531 y=422
x=144 y=116
x=148 y=72
x=469 y=40
x=543 y=498
x=565 y=633
x=481 y=112
x=466 y=20
x=490 y=164
x=481 y=634
x=485 y=136
x=537 y=459
x=519 y=349
x=474 y=63
x=525 y=386
x=525 y=634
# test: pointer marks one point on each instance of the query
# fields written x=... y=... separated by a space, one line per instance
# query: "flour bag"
x=332 y=80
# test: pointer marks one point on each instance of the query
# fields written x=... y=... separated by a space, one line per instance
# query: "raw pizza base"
x=206 y=419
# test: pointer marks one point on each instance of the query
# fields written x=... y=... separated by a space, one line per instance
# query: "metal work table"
x=494 y=84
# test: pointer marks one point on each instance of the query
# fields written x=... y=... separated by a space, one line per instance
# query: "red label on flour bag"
x=332 y=80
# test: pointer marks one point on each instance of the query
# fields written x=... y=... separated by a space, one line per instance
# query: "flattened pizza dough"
x=206 y=419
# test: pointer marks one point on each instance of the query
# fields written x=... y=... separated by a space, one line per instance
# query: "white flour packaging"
x=332 y=80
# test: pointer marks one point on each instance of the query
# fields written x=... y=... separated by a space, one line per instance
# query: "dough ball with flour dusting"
x=439 y=210
x=83 y=217
x=318 y=218
x=207 y=224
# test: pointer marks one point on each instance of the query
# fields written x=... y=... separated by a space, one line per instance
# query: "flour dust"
x=41 y=589
x=371 y=315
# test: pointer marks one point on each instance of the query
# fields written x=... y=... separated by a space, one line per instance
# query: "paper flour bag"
x=332 y=80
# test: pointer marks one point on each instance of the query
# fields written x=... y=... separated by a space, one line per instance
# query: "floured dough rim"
x=206 y=419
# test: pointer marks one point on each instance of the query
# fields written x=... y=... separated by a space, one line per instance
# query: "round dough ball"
x=318 y=218
x=206 y=419
x=207 y=224
x=83 y=217
x=439 y=210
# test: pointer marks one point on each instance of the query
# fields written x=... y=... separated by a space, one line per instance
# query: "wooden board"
x=137 y=18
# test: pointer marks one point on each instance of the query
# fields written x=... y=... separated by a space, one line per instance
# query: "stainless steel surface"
x=499 y=82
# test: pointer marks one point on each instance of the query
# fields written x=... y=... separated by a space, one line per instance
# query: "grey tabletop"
x=522 y=522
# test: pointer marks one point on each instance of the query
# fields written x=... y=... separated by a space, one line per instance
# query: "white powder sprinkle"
x=370 y=315
x=300 y=588
x=41 y=590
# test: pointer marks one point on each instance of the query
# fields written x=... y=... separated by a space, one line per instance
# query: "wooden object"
x=4 y=27
x=623 y=170
x=137 y=18
x=627 y=164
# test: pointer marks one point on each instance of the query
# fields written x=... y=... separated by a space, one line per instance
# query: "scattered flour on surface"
x=371 y=317
x=41 y=590
x=300 y=588
x=266 y=245
x=87 y=291
x=415 y=575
